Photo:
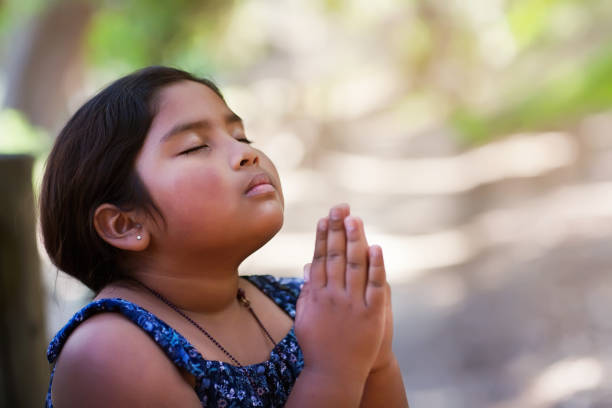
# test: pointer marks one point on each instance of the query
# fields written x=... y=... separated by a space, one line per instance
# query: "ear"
x=120 y=229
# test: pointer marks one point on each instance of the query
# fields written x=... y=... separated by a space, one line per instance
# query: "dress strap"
x=174 y=345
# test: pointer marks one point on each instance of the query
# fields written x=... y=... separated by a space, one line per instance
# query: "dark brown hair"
x=91 y=163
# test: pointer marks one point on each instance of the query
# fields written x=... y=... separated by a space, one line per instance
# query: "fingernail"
x=336 y=213
x=375 y=251
x=350 y=224
x=306 y=273
x=323 y=224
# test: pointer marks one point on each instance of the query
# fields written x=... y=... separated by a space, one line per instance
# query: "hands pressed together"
x=343 y=319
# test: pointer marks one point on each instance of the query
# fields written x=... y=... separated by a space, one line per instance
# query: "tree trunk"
x=24 y=372
x=45 y=60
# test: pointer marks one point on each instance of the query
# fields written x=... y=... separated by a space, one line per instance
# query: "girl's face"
x=200 y=171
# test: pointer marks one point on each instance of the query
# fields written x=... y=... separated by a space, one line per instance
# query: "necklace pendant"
x=242 y=298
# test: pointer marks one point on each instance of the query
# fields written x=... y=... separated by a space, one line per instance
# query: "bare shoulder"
x=108 y=361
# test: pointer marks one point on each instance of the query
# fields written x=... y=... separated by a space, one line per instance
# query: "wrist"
x=348 y=379
x=326 y=389
x=385 y=388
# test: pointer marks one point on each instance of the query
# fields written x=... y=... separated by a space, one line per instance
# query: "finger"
x=388 y=304
x=307 y=272
x=304 y=294
x=376 y=286
x=388 y=296
x=356 y=256
x=335 y=265
x=317 y=276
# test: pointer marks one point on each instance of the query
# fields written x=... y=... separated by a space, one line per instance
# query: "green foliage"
x=437 y=50
x=555 y=103
x=113 y=37
x=334 y=6
x=141 y=32
x=13 y=13
x=529 y=18
x=17 y=136
x=17 y=9
x=472 y=128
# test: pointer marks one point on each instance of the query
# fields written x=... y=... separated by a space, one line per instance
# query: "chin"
x=267 y=225
x=273 y=219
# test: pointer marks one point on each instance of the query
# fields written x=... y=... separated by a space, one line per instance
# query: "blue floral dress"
x=218 y=384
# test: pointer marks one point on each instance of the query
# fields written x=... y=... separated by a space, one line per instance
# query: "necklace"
x=242 y=299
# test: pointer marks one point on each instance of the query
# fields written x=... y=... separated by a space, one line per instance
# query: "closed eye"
x=244 y=140
x=193 y=149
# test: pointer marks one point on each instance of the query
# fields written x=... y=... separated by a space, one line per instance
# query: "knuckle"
x=331 y=301
x=377 y=269
x=336 y=225
x=354 y=265
x=335 y=255
x=318 y=258
x=334 y=297
x=376 y=284
x=378 y=263
x=327 y=297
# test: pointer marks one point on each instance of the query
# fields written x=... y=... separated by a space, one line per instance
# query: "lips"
x=260 y=183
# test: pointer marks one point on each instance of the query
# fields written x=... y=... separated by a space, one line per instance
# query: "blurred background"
x=473 y=138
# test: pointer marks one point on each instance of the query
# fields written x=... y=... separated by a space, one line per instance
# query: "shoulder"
x=108 y=361
x=273 y=284
x=283 y=291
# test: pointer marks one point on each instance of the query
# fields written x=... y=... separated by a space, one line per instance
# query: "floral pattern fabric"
x=218 y=384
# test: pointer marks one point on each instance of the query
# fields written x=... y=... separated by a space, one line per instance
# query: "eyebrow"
x=198 y=124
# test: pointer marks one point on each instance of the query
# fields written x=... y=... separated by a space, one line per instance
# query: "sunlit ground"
x=498 y=259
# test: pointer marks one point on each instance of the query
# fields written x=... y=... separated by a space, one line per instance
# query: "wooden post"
x=24 y=372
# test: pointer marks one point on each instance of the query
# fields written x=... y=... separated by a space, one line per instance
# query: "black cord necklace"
x=243 y=301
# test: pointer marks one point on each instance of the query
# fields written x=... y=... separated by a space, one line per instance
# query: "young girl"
x=152 y=197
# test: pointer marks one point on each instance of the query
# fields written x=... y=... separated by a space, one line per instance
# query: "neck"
x=209 y=289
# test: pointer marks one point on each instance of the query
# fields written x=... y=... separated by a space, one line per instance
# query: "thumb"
x=301 y=301
x=307 y=272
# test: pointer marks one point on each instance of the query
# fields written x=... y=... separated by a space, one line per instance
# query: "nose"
x=243 y=156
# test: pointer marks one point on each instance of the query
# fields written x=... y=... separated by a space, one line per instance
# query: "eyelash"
x=193 y=149
x=196 y=148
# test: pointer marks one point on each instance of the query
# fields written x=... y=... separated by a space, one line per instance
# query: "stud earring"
x=139 y=237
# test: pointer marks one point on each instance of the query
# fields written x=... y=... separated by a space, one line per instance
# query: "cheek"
x=192 y=198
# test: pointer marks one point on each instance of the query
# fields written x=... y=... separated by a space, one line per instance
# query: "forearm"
x=313 y=389
x=385 y=388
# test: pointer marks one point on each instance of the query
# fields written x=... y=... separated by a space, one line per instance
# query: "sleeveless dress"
x=217 y=384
